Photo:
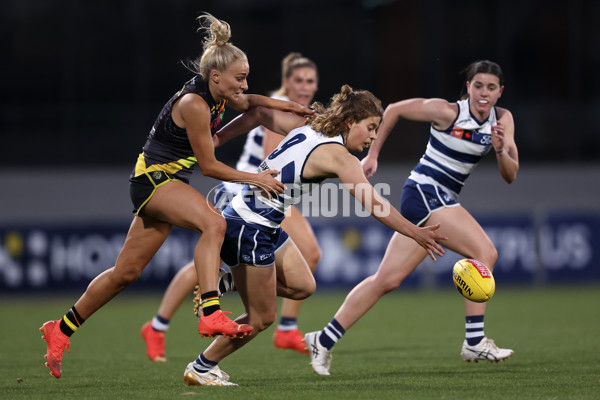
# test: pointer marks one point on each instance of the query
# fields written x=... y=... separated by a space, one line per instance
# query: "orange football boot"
x=56 y=342
x=155 y=343
x=218 y=323
x=293 y=340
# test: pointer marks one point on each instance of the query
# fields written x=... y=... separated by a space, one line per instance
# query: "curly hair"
x=345 y=107
x=218 y=52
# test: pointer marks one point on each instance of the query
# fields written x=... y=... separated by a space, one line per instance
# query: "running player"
x=162 y=198
x=461 y=134
x=299 y=83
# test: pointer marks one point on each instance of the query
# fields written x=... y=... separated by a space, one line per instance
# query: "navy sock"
x=288 y=324
x=202 y=364
x=159 y=323
x=474 y=329
x=331 y=334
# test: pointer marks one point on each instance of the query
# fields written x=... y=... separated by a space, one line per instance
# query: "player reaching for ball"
x=461 y=134
x=263 y=260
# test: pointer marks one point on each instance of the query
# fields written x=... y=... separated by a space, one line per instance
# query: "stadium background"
x=83 y=82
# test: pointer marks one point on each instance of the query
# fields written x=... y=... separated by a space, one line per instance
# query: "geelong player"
x=461 y=134
x=262 y=262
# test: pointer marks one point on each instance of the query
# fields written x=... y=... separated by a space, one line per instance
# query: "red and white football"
x=473 y=280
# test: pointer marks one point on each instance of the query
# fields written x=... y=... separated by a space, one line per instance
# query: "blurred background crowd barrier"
x=545 y=233
x=83 y=82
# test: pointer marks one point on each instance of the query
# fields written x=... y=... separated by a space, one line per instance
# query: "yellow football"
x=473 y=280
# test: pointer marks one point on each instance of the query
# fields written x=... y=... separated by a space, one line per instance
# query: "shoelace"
x=490 y=343
x=59 y=347
x=222 y=319
x=328 y=359
x=223 y=374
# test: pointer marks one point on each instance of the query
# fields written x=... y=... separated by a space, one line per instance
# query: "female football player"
x=461 y=134
x=299 y=83
x=162 y=198
x=263 y=263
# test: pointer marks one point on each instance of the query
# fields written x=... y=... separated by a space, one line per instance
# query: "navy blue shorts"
x=418 y=201
x=250 y=244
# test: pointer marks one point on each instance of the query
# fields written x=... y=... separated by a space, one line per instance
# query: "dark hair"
x=481 y=67
x=346 y=106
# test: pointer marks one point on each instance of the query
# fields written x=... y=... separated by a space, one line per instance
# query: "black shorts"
x=142 y=187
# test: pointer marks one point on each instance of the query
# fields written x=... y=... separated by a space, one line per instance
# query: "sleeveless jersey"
x=168 y=148
x=452 y=154
x=289 y=158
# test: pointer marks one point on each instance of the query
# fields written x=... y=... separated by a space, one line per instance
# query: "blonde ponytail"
x=218 y=53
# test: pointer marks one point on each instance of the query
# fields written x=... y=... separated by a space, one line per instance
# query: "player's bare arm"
x=195 y=114
x=334 y=160
x=248 y=101
x=276 y=121
x=439 y=112
x=503 y=140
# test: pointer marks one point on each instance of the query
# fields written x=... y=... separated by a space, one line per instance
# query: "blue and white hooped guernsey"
x=289 y=158
x=252 y=155
x=452 y=154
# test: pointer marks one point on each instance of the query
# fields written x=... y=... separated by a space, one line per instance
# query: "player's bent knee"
x=215 y=227
x=313 y=258
x=301 y=294
x=388 y=283
x=491 y=256
x=264 y=321
x=308 y=287
x=487 y=254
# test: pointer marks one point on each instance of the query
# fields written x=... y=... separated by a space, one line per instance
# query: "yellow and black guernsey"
x=168 y=154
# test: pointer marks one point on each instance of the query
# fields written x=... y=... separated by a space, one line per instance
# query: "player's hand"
x=267 y=182
x=369 y=165
x=427 y=239
x=300 y=110
x=498 y=137
x=216 y=141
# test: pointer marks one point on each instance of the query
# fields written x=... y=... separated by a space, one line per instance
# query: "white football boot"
x=320 y=357
x=214 y=377
x=486 y=350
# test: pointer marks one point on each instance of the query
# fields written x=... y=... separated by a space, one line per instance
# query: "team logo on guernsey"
x=474 y=136
x=462 y=134
x=217 y=112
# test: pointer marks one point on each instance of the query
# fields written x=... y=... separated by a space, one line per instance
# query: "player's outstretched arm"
x=277 y=121
x=246 y=102
x=337 y=161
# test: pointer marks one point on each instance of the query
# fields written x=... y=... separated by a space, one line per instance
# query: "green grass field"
x=407 y=347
